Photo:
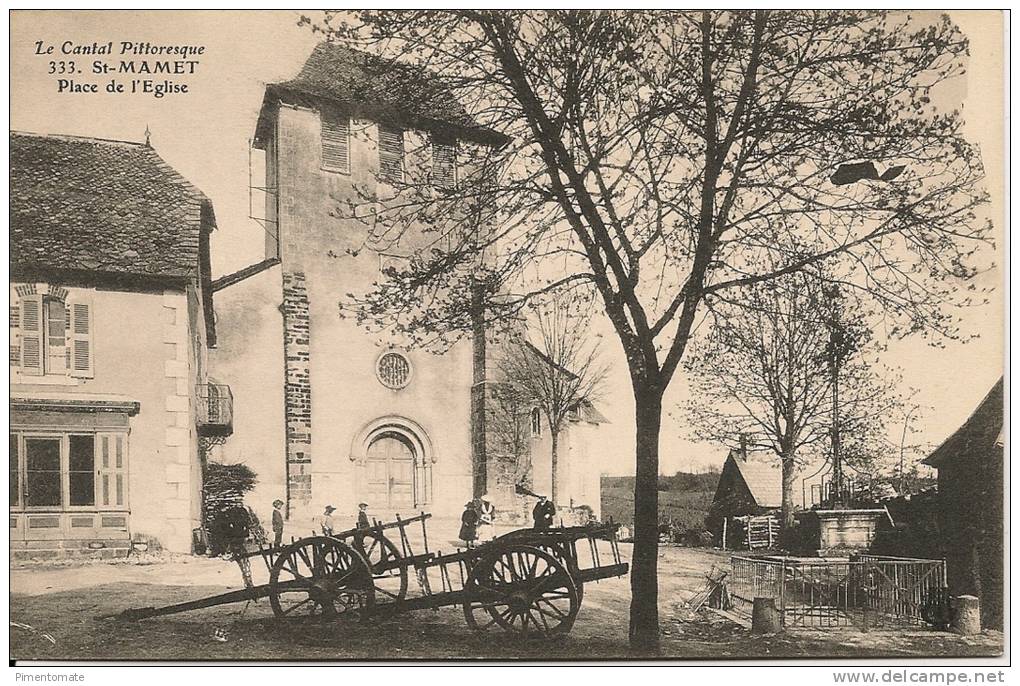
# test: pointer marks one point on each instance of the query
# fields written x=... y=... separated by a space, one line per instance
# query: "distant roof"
x=590 y=414
x=979 y=436
x=90 y=208
x=376 y=87
x=102 y=206
x=763 y=478
x=761 y=471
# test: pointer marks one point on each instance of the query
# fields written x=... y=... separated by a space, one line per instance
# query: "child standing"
x=277 y=523
x=363 y=522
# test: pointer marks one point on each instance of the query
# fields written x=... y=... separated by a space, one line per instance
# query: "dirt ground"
x=61 y=603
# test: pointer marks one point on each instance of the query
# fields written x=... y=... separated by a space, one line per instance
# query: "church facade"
x=327 y=413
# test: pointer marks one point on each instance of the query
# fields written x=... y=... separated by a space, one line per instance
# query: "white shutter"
x=391 y=153
x=80 y=341
x=336 y=139
x=111 y=471
x=31 y=335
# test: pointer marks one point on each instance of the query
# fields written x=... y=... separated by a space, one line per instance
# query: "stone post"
x=966 y=615
x=765 y=618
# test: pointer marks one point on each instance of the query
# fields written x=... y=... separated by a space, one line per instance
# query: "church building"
x=327 y=413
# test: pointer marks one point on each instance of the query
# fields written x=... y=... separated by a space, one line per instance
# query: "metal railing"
x=214 y=409
x=866 y=591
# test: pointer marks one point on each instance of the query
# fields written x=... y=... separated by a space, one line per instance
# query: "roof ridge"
x=72 y=137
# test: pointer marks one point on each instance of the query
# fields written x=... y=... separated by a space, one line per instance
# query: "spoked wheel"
x=321 y=579
x=390 y=576
x=523 y=590
x=563 y=550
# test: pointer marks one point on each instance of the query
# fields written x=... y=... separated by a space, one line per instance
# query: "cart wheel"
x=562 y=550
x=323 y=579
x=523 y=590
x=382 y=555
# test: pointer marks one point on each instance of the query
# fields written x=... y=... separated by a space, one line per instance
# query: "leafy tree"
x=659 y=157
x=763 y=379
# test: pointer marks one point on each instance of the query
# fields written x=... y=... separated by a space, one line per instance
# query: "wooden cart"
x=526 y=582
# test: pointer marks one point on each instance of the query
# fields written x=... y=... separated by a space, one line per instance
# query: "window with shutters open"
x=31 y=335
x=111 y=485
x=54 y=337
x=80 y=339
x=444 y=165
x=391 y=153
x=336 y=141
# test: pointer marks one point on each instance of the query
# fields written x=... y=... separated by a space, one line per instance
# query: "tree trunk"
x=789 y=477
x=554 y=461
x=644 y=608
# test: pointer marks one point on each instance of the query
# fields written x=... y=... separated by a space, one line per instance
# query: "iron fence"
x=866 y=591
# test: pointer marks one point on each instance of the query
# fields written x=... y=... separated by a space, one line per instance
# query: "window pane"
x=83 y=488
x=14 y=469
x=81 y=463
x=82 y=457
x=42 y=457
x=55 y=322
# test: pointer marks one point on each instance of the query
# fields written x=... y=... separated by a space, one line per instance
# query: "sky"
x=204 y=134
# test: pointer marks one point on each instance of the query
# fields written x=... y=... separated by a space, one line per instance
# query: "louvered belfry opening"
x=391 y=153
x=444 y=164
x=336 y=140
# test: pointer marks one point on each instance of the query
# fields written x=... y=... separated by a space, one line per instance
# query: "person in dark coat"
x=469 y=524
x=543 y=513
x=237 y=527
x=363 y=522
x=277 y=523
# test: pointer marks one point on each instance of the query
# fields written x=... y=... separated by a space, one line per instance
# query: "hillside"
x=683 y=497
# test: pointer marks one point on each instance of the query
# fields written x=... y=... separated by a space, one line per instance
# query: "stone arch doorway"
x=389 y=467
x=395 y=457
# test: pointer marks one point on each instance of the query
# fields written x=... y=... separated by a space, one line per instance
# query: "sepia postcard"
x=508 y=335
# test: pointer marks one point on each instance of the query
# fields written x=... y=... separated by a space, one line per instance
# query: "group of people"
x=478 y=521
x=327 y=521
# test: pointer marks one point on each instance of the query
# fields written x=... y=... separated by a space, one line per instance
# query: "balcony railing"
x=215 y=410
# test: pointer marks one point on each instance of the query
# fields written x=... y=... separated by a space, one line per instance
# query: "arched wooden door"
x=390 y=478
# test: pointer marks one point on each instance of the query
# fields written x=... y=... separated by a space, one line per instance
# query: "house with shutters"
x=110 y=324
x=327 y=413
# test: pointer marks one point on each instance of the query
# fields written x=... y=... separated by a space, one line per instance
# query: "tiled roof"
x=590 y=414
x=96 y=206
x=763 y=478
x=378 y=88
x=979 y=436
x=762 y=473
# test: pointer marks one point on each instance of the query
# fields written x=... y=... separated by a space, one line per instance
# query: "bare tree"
x=508 y=423
x=660 y=156
x=561 y=371
x=763 y=378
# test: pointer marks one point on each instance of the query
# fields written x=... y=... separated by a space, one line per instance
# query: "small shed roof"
x=763 y=478
x=980 y=434
x=761 y=472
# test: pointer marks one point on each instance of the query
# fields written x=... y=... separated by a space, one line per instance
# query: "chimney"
x=743 y=447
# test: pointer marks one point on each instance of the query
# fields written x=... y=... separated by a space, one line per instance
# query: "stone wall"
x=298 y=389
